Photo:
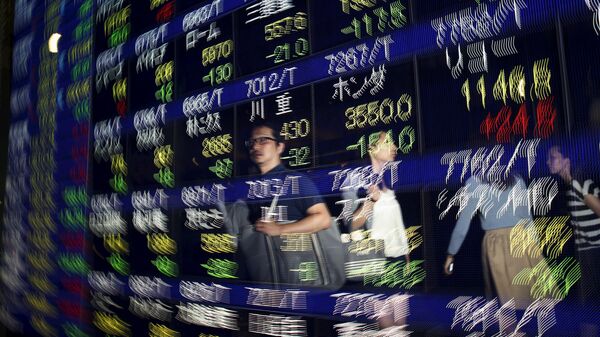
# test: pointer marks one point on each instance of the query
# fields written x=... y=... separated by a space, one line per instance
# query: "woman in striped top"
x=583 y=200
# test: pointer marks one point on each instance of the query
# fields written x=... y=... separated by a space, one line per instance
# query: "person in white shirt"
x=381 y=212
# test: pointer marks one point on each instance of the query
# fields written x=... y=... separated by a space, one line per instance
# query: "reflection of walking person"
x=286 y=215
x=381 y=214
x=385 y=220
x=584 y=205
x=499 y=266
x=310 y=214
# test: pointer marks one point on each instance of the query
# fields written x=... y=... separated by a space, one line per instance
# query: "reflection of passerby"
x=499 y=266
x=308 y=213
x=583 y=200
x=300 y=210
x=381 y=213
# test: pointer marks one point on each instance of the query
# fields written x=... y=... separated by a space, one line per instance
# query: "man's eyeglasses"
x=259 y=141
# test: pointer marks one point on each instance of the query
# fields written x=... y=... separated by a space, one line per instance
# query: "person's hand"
x=268 y=227
x=374 y=192
x=449 y=265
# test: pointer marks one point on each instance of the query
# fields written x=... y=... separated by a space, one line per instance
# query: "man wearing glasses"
x=282 y=207
x=306 y=212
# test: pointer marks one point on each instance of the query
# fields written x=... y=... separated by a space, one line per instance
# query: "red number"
x=166 y=13
x=521 y=123
x=545 y=115
x=487 y=126
x=502 y=125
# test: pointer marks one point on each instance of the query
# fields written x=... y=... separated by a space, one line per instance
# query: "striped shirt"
x=585 y=221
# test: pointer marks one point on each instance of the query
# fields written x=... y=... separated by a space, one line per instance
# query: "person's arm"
x=317 y=218
x=359 y=217
x=593 y=203
x=449 y=265
x=362 y=213
x=461 y=229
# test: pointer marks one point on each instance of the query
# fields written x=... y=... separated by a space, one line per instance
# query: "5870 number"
x=214 y=53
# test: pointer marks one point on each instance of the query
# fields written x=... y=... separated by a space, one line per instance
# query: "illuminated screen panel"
x=461 y=99
x=110 y=96
x=150 y=152
x=511 y=91
x=148 y=14
x=109 y=182
x=153 y=78
x=45 y=262
x=290 y=113
x=352 y=109
x=277 y=33
x=338 y=22
x=206 y=56
x=204 y=147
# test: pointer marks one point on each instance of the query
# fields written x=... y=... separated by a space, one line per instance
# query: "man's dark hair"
x=266 y=124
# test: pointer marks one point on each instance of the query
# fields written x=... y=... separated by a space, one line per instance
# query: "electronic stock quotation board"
x=127 y=152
